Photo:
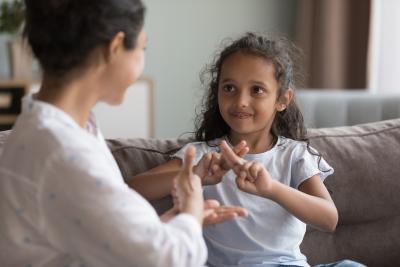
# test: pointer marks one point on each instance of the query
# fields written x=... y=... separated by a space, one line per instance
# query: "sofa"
x=365 y=188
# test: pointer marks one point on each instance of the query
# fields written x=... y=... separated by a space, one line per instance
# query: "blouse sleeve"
x=308 y=164
x=88 y=212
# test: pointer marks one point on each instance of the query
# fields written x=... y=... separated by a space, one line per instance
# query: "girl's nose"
x=242 y=100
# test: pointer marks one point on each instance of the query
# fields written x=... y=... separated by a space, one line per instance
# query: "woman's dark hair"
x=284 y=56
x=63 y=33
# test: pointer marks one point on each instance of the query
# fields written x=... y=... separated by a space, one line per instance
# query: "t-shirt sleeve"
x=308 y=164
x=200 y=151
x=88 y=211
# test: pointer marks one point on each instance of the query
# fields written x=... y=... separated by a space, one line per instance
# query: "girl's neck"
x=257 y=142
x=76 y=98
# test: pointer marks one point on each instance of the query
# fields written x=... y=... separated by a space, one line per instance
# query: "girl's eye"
x=257 y=90
x=228 y=88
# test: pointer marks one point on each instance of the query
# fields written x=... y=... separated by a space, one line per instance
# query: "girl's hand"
x=212 y=167
x=230 y=157
x=253 y=178
x=187 y=190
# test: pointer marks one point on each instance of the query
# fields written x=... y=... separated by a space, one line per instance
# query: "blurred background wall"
x=182 y=38
x=347 y=45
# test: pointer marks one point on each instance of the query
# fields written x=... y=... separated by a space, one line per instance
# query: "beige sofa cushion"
x=366 y=186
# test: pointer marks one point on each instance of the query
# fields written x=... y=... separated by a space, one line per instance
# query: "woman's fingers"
x=187 y=167
x=188 y=160
x=211 y=203
x=188 y=187
x=202 y=169
x=169 y=214
x=223 y=213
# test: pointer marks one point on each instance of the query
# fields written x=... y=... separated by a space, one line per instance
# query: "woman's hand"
x=187 y=191
x=212 y=167
x=213 y=212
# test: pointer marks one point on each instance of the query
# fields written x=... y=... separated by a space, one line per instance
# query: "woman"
x=63 y=199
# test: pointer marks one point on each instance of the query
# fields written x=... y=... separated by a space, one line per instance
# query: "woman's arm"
x=157 y=182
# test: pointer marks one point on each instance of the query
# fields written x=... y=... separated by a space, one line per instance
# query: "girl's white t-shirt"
x=63 y=202
x=269 y=235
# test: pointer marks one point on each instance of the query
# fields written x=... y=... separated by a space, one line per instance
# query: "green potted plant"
x=12 y=16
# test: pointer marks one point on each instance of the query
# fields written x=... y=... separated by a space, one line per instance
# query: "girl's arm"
x=157 y=182
x=311 y=204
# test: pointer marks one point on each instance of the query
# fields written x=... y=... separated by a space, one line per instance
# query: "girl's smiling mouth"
x=241 y=115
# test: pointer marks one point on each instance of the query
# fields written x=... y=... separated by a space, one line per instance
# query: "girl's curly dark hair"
x=282 y=54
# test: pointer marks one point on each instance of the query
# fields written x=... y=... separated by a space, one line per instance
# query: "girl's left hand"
x=253 y=178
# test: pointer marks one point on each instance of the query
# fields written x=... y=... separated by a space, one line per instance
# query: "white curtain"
x=384 y=47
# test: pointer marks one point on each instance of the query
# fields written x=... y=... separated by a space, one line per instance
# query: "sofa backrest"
x=366 y=186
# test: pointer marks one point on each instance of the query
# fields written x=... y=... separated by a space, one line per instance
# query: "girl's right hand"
x=187 y=190
x=253 y=178
x=212 y=167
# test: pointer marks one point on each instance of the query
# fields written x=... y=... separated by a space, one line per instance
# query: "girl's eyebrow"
x=259 y=83
x=227 y=80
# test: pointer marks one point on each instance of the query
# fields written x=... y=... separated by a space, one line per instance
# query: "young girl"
x=249 y=106
x=63 y=201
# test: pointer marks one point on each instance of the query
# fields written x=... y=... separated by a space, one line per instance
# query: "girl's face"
x=247 y=94
x=124 y=69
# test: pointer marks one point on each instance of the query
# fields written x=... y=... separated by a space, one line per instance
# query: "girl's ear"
x=114 y=46
x=285 y=99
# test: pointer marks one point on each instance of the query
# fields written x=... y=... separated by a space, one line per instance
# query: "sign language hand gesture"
x=252 y=177
x=212 y=167
x=187 y=191
x=187 y=197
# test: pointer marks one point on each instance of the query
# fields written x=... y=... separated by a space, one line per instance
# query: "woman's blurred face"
x=125 y=68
